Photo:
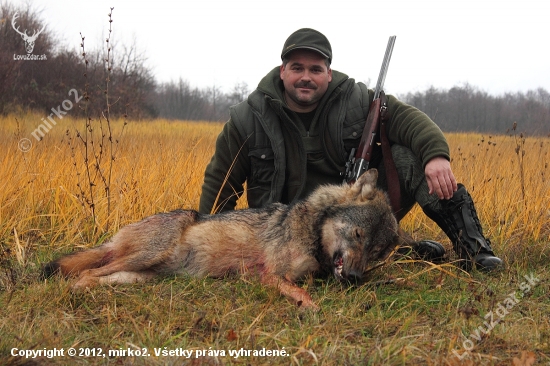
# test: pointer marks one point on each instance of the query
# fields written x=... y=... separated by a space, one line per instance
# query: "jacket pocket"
x=351 y=134
x=262 y=165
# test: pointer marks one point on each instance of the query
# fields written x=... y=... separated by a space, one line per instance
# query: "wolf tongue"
x=339 y=262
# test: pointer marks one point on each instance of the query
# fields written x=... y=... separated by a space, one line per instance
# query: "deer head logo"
x=29 y=40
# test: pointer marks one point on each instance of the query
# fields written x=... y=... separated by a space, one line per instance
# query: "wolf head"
x=360 y=230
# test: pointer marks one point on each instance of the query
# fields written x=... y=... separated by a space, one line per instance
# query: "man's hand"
x=440 y=177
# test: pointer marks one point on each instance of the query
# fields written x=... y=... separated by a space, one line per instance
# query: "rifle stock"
x=359 y=159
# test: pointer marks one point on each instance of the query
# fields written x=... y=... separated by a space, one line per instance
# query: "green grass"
x=420 y=319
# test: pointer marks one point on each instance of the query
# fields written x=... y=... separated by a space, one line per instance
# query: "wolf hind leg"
x=93 y=277
x=127 y=277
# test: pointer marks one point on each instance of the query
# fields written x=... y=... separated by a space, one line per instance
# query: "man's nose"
x=306 y=76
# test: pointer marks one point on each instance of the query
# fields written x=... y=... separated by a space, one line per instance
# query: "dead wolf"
x=337 y=229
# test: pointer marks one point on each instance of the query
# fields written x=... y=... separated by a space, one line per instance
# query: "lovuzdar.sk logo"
x=29 y=41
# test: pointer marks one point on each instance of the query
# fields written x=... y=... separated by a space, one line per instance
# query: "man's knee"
x=412 y=179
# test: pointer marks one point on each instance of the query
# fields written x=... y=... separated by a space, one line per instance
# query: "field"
x=64 y=195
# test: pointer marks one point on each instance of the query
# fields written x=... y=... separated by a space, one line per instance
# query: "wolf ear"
x=364 y=188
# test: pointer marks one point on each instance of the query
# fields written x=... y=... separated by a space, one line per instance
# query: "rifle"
x=359 y=159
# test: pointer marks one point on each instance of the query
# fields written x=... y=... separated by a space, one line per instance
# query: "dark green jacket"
x=265 y=145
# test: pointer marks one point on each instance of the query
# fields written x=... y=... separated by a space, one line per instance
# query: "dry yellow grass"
x=509 y=179
x=159 y=166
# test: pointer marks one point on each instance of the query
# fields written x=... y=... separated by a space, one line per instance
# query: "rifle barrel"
x=384 y=68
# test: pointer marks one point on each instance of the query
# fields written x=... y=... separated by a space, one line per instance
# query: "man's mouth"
x=304 y=86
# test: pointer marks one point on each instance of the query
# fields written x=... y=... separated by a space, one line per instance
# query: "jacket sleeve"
x=226 y=173
x=412 y=128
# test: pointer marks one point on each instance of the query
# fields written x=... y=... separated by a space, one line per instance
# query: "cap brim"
x=306 y=48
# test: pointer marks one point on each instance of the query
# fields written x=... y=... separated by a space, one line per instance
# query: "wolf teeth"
x=338 y=270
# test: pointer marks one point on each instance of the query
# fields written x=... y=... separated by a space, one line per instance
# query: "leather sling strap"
x=394 y=190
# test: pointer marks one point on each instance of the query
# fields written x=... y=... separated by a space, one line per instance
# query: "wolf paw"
x=84 y=283
x=308 y=304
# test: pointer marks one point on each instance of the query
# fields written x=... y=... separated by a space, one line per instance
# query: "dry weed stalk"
x=520 y=153
x=99 y=150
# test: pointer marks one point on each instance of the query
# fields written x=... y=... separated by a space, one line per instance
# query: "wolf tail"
x=72 y=264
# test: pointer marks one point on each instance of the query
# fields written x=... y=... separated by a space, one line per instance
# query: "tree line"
x=467 y=108
x=120 y=72
x=115 y=70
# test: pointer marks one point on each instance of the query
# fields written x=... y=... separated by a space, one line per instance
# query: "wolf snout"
x=352 y=277
x=344 y=269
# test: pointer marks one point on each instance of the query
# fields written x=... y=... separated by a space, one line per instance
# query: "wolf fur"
x=337 y=229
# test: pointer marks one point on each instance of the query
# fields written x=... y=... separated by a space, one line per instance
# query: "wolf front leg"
x=296 y=294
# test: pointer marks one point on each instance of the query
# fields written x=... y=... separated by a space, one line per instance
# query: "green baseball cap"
x=309 y=39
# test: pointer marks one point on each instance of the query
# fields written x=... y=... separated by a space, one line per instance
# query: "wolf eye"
x=357 y=234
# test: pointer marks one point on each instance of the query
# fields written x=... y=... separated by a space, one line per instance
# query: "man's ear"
x=329 y=74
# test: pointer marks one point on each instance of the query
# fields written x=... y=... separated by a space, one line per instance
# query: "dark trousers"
x=412 y=180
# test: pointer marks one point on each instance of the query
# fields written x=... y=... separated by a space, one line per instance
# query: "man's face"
x=306 y=78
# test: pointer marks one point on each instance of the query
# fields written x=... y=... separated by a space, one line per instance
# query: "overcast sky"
x=498 y=46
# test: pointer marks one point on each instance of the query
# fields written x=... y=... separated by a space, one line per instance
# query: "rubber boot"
x=430 y=250
x=457 y=217
x=427 y=250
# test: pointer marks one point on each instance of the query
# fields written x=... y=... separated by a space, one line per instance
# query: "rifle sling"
x=394 y=190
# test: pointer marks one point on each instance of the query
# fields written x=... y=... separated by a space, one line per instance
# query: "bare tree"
x=239 y=93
